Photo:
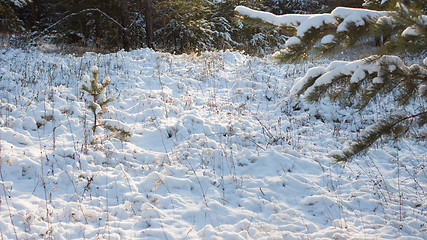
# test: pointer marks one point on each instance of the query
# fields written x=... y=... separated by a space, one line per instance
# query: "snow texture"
x=302 y=22
x=292 y=41
x=327 y=39
x=414 y=30
x=411 y=31
x=94 y=69
x=355 y=16
x=278 y=20
x=219 y=149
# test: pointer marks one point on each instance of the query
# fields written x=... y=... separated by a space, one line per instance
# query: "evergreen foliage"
x=9 y=21
x=174 y=26
x=403 y=30
x=295 y=6
x=99 y=100
x=252 y=37
x=183 y=25
x=187 y=26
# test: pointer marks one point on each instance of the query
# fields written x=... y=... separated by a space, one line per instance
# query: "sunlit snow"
x=219 y=149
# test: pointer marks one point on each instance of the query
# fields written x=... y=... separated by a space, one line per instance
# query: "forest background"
x=174 y=26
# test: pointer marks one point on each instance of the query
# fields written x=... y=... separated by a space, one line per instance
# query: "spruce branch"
x=362 y=81
x=400 y=30
x=393 y=127
x=365 y=81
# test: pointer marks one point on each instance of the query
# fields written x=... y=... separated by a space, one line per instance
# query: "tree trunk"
x=97 y=32
x=35 y=12
x=124 y=12
x=149 y=22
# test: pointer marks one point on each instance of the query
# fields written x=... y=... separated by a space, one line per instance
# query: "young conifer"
x=98 y=97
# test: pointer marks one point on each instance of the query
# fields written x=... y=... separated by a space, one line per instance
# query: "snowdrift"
x=219 y=149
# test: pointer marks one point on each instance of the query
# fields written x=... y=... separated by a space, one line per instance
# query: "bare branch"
x=77 y=13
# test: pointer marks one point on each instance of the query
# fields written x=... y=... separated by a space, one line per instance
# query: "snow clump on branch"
x=304 y=22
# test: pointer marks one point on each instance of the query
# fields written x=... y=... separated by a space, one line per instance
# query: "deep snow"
x=219 y=150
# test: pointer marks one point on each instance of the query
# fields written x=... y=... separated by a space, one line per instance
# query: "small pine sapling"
x=99 y=99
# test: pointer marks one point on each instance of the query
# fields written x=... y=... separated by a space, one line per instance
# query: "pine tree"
x=148 y=4
x=402 y=29
x=295 y=6
x=9 y=21
x=98 y=98
x=251 y=37
x=187 y=26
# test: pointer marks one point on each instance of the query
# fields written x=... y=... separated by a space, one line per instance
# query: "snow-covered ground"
x=219 y=150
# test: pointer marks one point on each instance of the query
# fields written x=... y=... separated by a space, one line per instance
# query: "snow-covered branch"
x=343 y=28
x=341 y=16
x=375 y=73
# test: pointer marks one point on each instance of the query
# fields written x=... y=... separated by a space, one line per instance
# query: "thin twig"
x=77 y=13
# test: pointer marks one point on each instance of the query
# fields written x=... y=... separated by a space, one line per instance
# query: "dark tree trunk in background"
x=35 y=12
x=332 y=4
x=124 y=12
x=97 y=32
x=149 y=22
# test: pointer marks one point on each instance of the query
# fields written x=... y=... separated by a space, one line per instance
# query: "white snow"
x=219 y=150
x=385 y=20
x=411 y=31
x=378 y=80
x=278 y=20
x=311 y=73
x=314 y=21
x=327 y=39
x=355 y=16
x=94 y=69
x=304 y=22
x=292 y=41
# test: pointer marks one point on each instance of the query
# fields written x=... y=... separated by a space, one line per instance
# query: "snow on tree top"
x=94 y=69
x=410 y=31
